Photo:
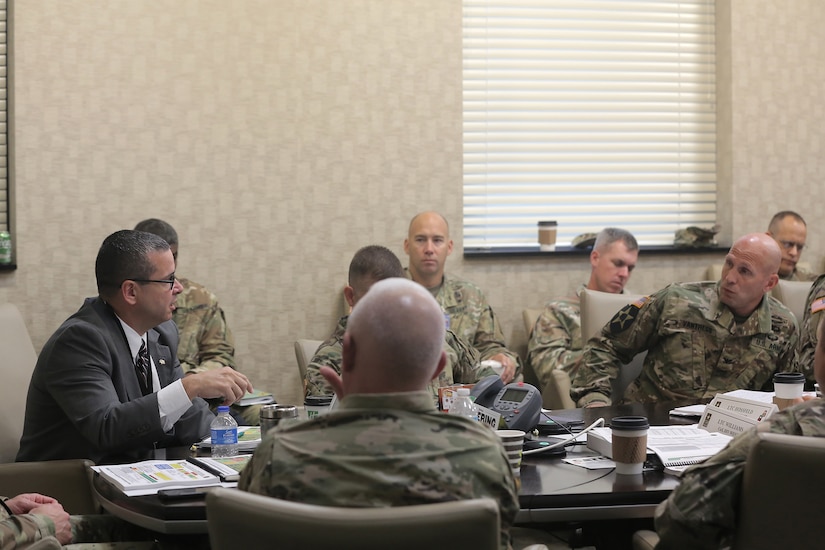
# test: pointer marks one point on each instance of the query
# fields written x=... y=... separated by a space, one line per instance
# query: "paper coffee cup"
x=513 y=443
x=495 y=365
x=629 y=443
x=316 y=405
x=788 y=385
x=547 y=235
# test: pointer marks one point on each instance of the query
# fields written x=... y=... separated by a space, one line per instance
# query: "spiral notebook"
x=676 y=447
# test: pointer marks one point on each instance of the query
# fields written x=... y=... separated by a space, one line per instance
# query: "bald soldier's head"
x=750 y=271
x=394 y=340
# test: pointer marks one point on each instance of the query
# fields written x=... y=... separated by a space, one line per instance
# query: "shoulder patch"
x=625 y=317
x=641 y=301
x=818 y=305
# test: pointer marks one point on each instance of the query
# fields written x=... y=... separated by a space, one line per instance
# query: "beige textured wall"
x=279 y=136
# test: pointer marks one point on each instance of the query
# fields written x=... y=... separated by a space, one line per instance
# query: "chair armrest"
x=69 y=481
x=645 y=540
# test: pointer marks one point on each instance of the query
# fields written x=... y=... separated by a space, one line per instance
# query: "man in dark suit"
x=95 y=393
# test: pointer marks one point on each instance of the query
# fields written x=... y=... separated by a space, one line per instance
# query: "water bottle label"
x=225 y=436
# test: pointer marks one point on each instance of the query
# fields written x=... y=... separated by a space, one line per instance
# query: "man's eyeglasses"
x=787 y=245
x=170 y=282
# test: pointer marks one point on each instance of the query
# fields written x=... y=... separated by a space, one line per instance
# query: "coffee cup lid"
x=629 y=423
x=788 y=378
x=318 y=400
x=548 y=224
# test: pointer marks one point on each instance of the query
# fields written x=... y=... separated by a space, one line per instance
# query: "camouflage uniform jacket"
x=21 y=530
x=381 y=450
x=471 y=317
x=814 y=306
x=462 y=363
x=695 y=348
x=205 y=341
x=556 y=341
x=701 y=511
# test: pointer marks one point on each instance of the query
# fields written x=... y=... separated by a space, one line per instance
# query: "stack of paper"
x=248 y=438
x=677 y=447
x=149 y=476
x=257 y=397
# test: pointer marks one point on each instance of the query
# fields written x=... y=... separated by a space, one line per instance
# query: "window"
x=590 y=113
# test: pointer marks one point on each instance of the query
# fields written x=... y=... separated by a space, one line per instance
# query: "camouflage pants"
x=101 y=531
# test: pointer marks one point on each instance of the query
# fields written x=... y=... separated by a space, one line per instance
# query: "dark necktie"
x=142 y=369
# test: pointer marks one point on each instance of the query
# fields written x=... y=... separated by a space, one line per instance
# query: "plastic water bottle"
x=463 y=405
x=224 y=434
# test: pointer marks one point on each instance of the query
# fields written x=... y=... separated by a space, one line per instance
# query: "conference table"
x=551 y=491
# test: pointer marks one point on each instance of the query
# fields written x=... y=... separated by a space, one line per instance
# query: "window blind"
x=589 y=113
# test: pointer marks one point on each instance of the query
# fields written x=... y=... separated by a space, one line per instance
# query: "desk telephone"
x=519 y=404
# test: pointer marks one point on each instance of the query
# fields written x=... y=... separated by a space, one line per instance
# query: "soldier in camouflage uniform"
x=701 y=511
x=30 y=517
x=369 y=265
x=465 y=308
x=206 y=343
x=702 y=338
x=790 y=232
x=386 y=444
x=556 y=340
x=814 y=306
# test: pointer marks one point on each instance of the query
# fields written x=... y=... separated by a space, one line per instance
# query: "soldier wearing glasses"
x=107 y=385
x=789 y=231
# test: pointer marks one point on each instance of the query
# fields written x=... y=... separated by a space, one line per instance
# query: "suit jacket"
x=84 y=399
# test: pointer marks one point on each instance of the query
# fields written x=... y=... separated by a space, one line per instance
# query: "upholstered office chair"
x=597 y=308
x=714 y=271
x=787 y=471
x=69 y=481
x=794 y=295
x=18 y=362
x=237 y=519
x=304 y=350
x=781 y=470
x=529 y=316
x=556 y=393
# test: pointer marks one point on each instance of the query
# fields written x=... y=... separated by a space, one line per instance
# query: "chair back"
x=530 y=316
x=597 y=309
x=237 y=519
x=18 y=363
x=304 y=350
x=794 y=296
x=782 y=471
x=714 y=271
x=69 y=481
x=556 y=392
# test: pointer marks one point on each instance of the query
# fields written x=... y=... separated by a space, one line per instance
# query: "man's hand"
x=225 y=382
x=23 y=503
x=334 y=380
x=509 y=367
x=55 y=512
x=35 y=503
